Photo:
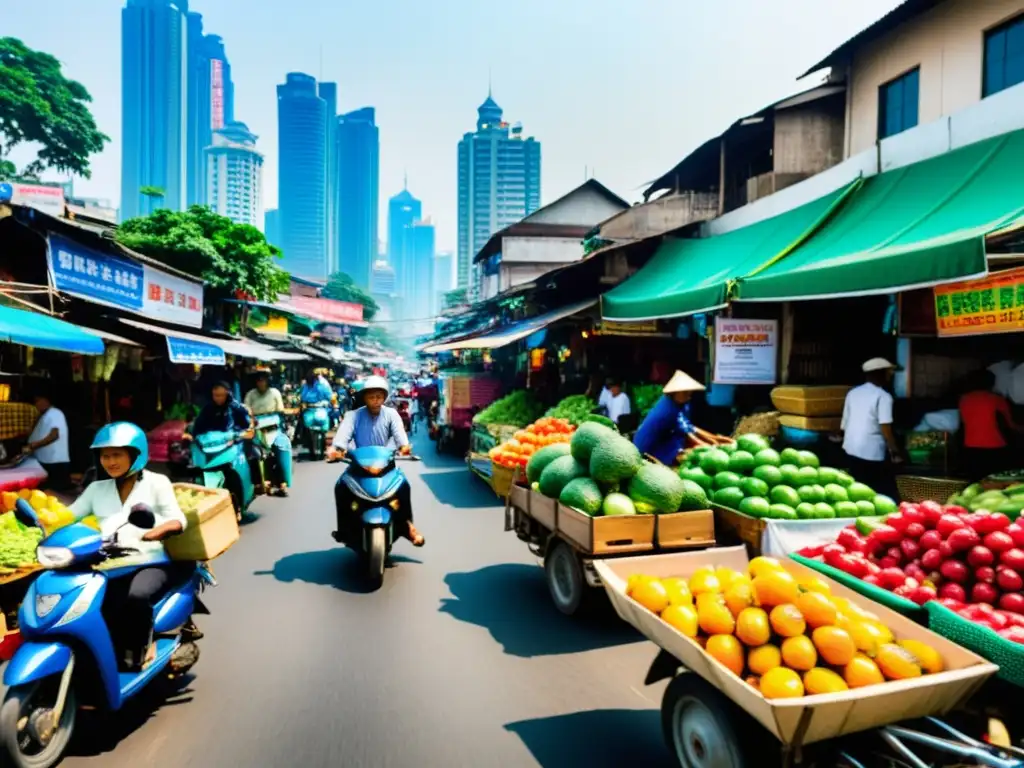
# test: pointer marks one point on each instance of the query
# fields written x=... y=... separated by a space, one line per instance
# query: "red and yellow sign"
x=993 y=304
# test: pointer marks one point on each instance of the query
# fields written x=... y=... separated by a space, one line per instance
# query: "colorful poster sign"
x=993 y=304
x=95 y=276
x=172 y=299
x=746 y=351
x=325 y=310
x=48 y=199
x=192 y=352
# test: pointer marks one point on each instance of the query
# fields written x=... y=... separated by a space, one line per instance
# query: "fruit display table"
x=27 y=474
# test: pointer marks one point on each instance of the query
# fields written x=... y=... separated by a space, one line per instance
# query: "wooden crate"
x=212 y=528
x=544 y=510
x=606 y=535
x=519 y=497
x=682 y=530
x=743 y=528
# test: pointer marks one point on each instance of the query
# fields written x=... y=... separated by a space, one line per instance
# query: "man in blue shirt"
x=222 y=414
x=663 y=433
x=315 y=389
x=373 y=424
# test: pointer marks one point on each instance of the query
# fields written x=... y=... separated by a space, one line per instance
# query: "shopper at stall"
x=122 y=453
x=617 y=402
x=48 y=442
x=987 y=419
x=868 y=440
x=222 y=414
x=663 y=433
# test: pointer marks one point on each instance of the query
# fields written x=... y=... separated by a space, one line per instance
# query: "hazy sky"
x=623 y=87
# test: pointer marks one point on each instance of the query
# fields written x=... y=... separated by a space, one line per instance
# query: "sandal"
x=417 y=538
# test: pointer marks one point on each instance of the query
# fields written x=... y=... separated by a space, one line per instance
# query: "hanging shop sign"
x=172 y=299
x=993 y=304
x=613 y=328
x=746 y=351
x=193 y=352
x=42 y=197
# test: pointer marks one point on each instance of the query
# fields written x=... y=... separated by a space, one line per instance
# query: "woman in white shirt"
x=122 y=452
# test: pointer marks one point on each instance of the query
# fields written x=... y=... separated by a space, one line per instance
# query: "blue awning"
x=19 y=326
x=510 y=333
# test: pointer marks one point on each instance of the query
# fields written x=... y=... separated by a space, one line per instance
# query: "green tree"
x=39 y=105
x=341 y=287
x=232 y=258
x=150 y=191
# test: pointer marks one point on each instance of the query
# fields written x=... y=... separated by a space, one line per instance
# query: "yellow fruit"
x=862 y=671
x=651 y=595
x=752 y=627
x=764 y=659
x=787 y=621
x=52 y=502
x=38 y=500
x=818 y=611
x=835 y=645
x=930 y=660
x=820 y=680
x=726 y=577
x=682 y=617
x=799 y=653
x=740 y=595
x=678 y=592
x=781 y=683
x=8 y=499
x=775 y=588
x=24 y=493
x=866 y=636
x=631 y=583
x=762 y=565
x=810 y=583
x=882 y=630
x=897 y=663
x=714 y=618
x=704 y=580
x=727 y=650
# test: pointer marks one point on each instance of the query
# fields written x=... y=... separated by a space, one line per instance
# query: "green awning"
x=689 y=276
x=913 y=227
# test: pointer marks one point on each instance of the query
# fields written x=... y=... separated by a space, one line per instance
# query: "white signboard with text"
x=746 y=351
x=172 y=299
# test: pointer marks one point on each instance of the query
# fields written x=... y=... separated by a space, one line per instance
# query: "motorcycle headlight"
x=395 y=504
x=54 y=557
x=45 y=604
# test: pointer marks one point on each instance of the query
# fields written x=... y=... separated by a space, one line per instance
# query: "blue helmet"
x=124 y=434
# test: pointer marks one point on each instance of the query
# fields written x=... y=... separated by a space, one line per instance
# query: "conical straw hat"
x=680 y=382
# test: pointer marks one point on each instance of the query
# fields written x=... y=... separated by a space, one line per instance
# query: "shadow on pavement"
x=336 y=567
x=460 y=488
x=512 y=602
x=599 y=738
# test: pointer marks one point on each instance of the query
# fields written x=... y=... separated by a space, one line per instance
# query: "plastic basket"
x=908 y=608
x=501 y=479
x=982 y=640
x=916 y=489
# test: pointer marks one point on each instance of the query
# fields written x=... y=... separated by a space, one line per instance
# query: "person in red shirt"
x=986 y=418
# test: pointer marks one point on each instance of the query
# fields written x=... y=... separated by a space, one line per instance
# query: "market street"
x=460 y=659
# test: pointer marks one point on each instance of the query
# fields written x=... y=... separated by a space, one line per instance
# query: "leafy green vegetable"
x=517 y=409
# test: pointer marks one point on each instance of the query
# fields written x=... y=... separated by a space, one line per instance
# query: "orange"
x=678 y=591
x=817 y=609
x=635 y=579
x=651 y=595
x=834 y=644
x=738 y=596
x=781 y=683
x=787 y=621
x=714 y=618
x=764 y=658
x=727 y=650
x=897 y=663
x=682 y=617
x=775 y=588
x=799 y=653
x=811 y=583
x=753 y=681
x=752 y=627
x=761 y=565
x=866 y=636
x=704 y=580
x=820 y=680
x=930 y=660
x=862 y=671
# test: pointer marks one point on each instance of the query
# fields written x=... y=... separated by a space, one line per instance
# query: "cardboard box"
x=830 y=715
x=606 y=535
x=211 y=529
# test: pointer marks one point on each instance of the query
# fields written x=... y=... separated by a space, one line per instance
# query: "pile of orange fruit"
x=787 y=636
x=524 y=443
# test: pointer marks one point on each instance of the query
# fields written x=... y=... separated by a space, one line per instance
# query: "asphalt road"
x=459 y=660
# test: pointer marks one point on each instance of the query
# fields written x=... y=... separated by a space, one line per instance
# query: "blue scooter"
x=274 y=446
x=69 y=658
x=316 y=420
x=373 y=479
x=219 y=461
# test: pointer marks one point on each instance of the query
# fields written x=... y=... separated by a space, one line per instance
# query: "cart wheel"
x=704 y=729
x=564 y=572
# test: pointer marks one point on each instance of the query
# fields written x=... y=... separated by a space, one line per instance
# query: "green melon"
x=542 y=458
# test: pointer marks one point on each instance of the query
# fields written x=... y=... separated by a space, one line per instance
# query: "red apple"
x=1013 y=634
x=954 y=570
x=873 y=578
x=886 y=534
x=949 y=523
x=986 y=574
x=932 y=512
x=998 y=541
x=979 y=556
x=913 y=513
x=983 y=593
x=897 y=521
x=888 y=562
x=892 y=577
x=1013 y=558
x=922 y=594
x=992 y=522
x=1016 y=532
x=915 y=571
x=930 y=540
x=962 y=539
x=945 y=550
x=910 y=548
x=1013 y=602
x=915 y=530
x=949 y=602
x=1009 y=580
x=953 y=509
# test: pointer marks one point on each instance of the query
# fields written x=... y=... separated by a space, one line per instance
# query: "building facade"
x=302 y=177
x=403 y=210
x=357 y=181
x=272 y=226
x=329 y=93
x=234 y=173
x=154 y=87
x=416 y=286
x=499 y=182
x=211 y=103
x=444 y=279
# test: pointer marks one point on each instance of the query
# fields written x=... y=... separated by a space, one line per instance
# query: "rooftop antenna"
x=488 y=82
x=405 y=179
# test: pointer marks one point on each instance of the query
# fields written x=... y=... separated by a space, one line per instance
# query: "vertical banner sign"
x=746 y=351
x=216 y=94
x=993 y=304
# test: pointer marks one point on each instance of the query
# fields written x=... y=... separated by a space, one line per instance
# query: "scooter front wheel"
x=376 y=556
x=27 y=738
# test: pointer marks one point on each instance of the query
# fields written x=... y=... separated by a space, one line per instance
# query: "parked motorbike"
x=373 y=478
x=68 y=659
x=219 y=461
x=315 y=423
x=269 y=435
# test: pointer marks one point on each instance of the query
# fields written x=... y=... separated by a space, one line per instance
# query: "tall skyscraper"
x=357 y=169
x=499 y=182
x=154 y=88
x=403 y=210
x=329 y=93
x=211 y=103
x=382 y=289
x=416 y=286
x=302 y=176
x=444 y=279
x=272 y=226
x=235 y=175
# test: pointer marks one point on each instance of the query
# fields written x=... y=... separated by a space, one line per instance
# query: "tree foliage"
x=341 y=287
x=232 y=258
x=39 y=105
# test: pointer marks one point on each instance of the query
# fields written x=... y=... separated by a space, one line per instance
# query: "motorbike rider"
x=263 y=400
x=222 y=414
x=122 y=452
x=374 y=424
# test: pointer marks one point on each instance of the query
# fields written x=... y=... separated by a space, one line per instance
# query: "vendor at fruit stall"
x=868 y=440
x=616 y=402
x=986 y=418
x=49 y=444
x=663 y=433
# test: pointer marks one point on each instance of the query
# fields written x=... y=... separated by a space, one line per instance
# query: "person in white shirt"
x=868 y=439
x=122 y=452
x=617 y=401
x=48 y=442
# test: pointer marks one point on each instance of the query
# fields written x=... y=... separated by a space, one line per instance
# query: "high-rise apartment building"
x=499 y=182
x=403 y=210
x=302 y=176
x=329 y=93
x=211 y=103
x=444 y=279
x=357 y=169
x=234 y=173
x=154 y=90
x=272 y=226
x=416 y=280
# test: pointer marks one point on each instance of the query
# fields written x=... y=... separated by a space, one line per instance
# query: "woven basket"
x=916 y=489
x=766 y=424
x=982 y=640
x=501 y=479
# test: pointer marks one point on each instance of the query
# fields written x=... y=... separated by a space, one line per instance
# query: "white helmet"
x=376 y=382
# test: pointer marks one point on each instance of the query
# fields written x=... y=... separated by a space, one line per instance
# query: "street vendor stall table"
x=27 y=473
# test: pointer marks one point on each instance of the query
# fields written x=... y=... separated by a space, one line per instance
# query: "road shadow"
x=512 y=602
x=460 y=488
x=598 y=738
x=336 y=567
